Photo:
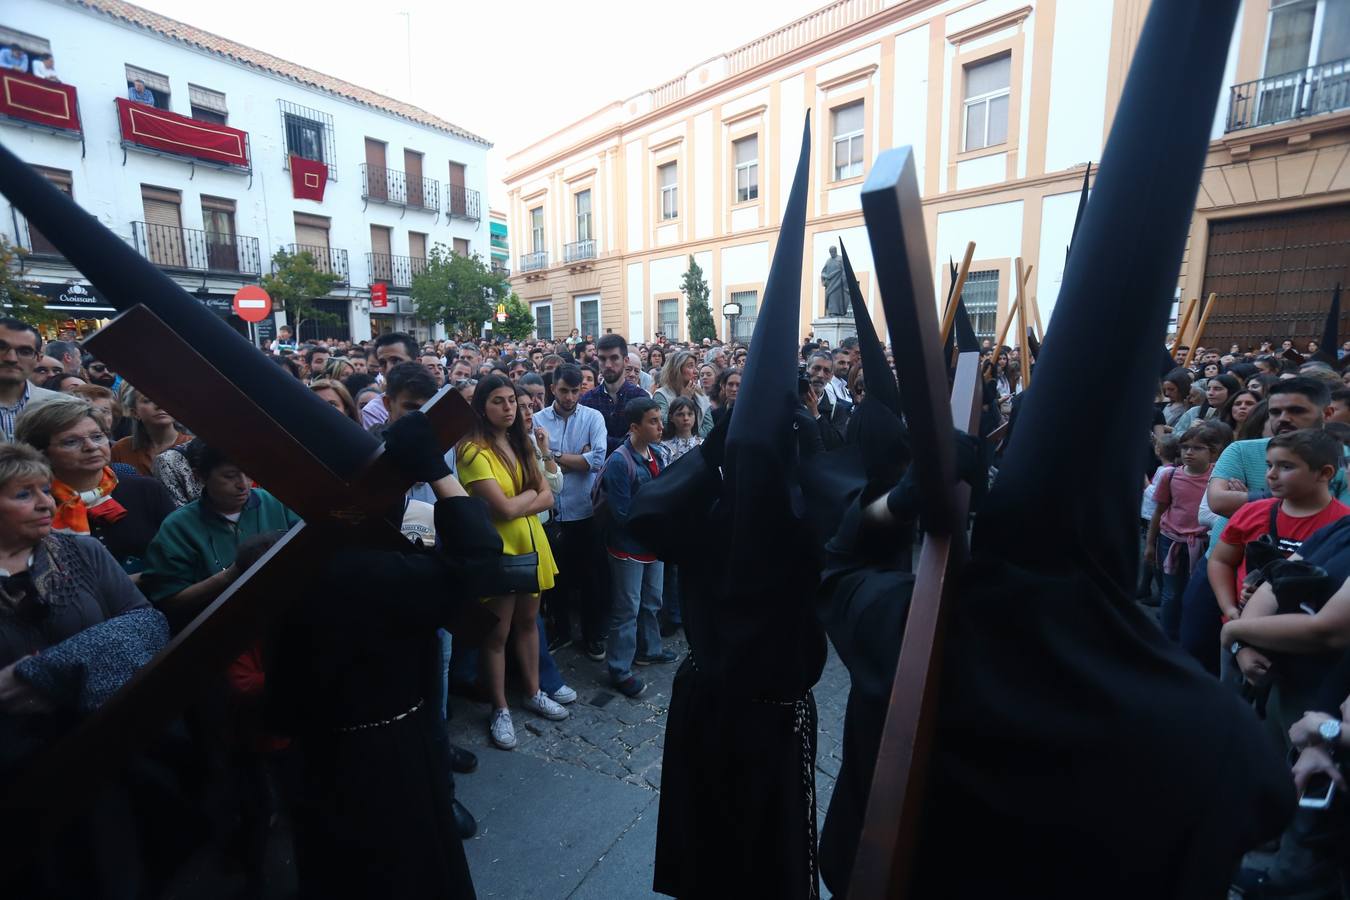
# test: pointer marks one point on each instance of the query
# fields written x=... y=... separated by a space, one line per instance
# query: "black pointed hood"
x=880 y=380
x=1082 y=206
x=967 y=341
x=1331 y=341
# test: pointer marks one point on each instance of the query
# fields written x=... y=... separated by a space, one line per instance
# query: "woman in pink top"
x=1176 y=536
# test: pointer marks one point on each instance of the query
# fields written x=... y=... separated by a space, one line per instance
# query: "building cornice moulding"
x=989 y=26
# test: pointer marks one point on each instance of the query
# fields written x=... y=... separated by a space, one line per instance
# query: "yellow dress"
x=476 y=464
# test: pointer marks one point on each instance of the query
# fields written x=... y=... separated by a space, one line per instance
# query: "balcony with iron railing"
x=194 y=250
x=461 y=202
x=381 y=185
x=533 y=262
x=501 y=271
x=579 y=250
x=330 y=260
x=397 y=272
x=1307 y=92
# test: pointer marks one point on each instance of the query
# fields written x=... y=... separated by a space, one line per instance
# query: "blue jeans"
x=1173 y=587
x=636 y=601
x=1201 y=622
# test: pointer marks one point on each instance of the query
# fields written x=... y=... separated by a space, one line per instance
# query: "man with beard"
x=610 y=396
x=830 y=413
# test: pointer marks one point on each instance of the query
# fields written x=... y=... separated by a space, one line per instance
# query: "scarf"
x=74 y=509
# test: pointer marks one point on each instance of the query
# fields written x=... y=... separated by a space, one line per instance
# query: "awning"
x=167 y=132
x=37 y=100
x=73 y=297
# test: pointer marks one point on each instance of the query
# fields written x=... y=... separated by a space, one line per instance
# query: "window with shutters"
x=222 y=247
x=583 y=208
x=987 y=96
x=38 y=244
x=311 y=236
x=980 y=296
x=153 y=87
x=163 y=231
x=417 y=253
x=746 y=153
x=208 y=105
x=745 y=322
x=668 y=177
x=848 y=141
x=668 y=316
x=461 y=246
x=30 y=44
x=543 y=320
x=537 y=229
x=588 y=315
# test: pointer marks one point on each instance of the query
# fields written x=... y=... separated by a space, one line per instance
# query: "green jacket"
x=196 y=542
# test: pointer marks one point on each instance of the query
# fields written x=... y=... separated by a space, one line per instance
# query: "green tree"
x=697 y=311
x=17 y=299
x=519 y=324
x=460 y=291
x=294 y=284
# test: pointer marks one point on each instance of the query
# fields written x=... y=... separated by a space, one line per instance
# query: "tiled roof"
x=212 y=43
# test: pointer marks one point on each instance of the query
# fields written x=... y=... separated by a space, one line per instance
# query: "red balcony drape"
x=159 y=129
x=50 y=103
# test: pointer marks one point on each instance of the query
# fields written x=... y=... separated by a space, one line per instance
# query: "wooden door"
x=222 y=253
x=456 y=200
x=163 y=227
x=1274 y=276
x=412 y=170
x=377 y=171
x=381 y=263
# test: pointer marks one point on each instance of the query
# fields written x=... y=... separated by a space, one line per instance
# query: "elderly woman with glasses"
x=122 y=513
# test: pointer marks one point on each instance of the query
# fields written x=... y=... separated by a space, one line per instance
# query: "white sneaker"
x=542 y=704
x=502 y=732
x=564 y=695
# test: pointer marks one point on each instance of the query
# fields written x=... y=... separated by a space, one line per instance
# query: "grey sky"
x=512 y=71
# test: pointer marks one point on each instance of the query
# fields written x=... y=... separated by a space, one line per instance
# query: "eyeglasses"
x=23 y=352
x=97 y=367
x=98 y=439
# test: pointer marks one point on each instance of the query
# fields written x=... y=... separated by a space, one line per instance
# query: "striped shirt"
x=10 y=414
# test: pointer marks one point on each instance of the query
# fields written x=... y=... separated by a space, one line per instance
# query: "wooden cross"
x=894 y=217
x=334 y=476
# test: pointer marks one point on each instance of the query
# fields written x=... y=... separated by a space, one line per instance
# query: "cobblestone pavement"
x=624 y=739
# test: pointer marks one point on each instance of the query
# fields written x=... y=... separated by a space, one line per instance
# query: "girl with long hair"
x=152 y=432
x=496 y=461
x=1217 y=391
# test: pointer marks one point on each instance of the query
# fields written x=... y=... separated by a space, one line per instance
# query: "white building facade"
x=197 y=176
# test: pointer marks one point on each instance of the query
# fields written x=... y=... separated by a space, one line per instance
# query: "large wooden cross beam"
x=310 y=456
x=894 y=218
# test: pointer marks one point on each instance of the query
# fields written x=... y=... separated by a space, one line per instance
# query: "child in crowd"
x=1168 y=450
x=1299 y=468
x=1177 y=539
x=681 y=431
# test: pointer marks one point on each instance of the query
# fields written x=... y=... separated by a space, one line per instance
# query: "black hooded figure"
x=738 y=815
x=1078 y=752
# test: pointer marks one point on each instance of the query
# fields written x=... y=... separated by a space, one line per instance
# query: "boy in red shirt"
x=1299 y=469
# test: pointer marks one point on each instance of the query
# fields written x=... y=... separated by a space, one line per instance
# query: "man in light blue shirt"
x=140 y=93
x=577 y=438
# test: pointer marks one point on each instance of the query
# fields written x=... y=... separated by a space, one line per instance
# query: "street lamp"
x=732 y=310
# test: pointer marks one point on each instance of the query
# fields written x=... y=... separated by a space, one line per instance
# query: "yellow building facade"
x=1005 y=102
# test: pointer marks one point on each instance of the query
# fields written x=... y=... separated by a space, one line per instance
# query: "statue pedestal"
x=833 y=329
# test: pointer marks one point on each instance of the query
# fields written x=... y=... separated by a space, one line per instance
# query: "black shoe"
x=631 y=687
x=668 y=628
x=464 y=821
x=462 y=761
x=596 y=650
x=665 y=656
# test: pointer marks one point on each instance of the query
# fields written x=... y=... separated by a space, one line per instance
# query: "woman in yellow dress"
x=496 y=462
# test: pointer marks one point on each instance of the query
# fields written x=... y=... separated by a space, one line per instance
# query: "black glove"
x=411 y=444
x=903 y=500
x=252 y=549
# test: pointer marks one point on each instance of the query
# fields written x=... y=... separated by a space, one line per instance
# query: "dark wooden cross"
x=313 y=459
x=894 y=216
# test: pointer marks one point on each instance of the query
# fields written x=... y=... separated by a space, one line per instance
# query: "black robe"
x=373 y=814
x=737 y=815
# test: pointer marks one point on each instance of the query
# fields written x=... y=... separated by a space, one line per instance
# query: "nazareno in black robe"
x=373 y=817
x=1078 y=752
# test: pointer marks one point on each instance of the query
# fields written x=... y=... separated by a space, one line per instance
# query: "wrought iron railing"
x=579 y=250
x=326 y=259
x=191 y=249
x=461 y=202
x=1294 y=95
x=531 y=262
x=396 y=271
x=501 y=271
x=392 y=186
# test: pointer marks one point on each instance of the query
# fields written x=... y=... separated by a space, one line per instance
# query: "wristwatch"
x=1235 y=647
x=557 y=455
x=1330 y=731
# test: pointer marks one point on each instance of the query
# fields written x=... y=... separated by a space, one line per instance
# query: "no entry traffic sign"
x=252 y=304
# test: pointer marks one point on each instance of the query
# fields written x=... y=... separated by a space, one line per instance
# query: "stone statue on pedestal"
x=832 y=278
